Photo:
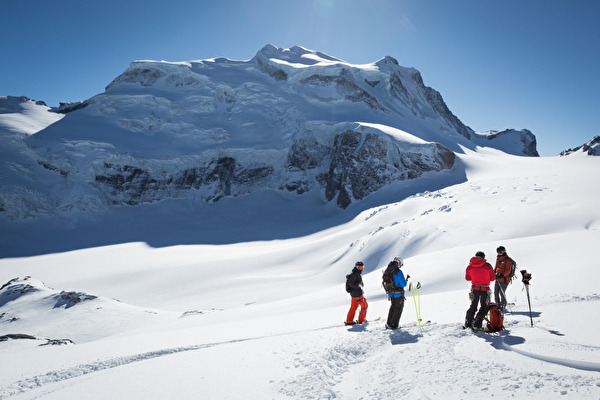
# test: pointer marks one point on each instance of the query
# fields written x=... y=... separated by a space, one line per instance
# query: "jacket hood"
x=477 y=262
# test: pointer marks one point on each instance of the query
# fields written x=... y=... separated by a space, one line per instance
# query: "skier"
x=396 y=293
x=355 y=283
x=503 y=269
x=480 y=273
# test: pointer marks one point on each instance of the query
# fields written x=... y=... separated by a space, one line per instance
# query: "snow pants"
x=393 y=319
x=479 y=297
x=355 y=302
x=500 y=294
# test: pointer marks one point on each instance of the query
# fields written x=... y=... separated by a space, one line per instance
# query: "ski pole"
x=410 y=289
x=417 y=310
x=419 y=296
x=526 y=279
x=529 y=302
x=503 y=294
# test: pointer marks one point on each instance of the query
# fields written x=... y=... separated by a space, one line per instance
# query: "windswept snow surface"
x=261 y=320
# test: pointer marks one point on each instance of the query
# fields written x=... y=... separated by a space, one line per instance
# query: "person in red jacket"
x=480 y=273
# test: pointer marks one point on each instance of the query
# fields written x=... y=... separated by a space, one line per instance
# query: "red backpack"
x=496 y=319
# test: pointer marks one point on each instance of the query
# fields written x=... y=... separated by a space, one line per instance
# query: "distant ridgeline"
x=591 y=148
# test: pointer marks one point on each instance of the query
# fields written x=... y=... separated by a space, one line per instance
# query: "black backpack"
x=513 y=271
x=387 y=280
x=348 y=288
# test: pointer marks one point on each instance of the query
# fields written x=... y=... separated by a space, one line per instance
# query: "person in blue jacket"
x=396 y=294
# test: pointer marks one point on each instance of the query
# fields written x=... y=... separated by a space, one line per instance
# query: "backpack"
x=496 y=320
x=348 y=287
x=513 y=271
x=387 y=279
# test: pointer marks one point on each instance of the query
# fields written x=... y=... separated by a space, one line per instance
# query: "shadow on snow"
x=263 y=215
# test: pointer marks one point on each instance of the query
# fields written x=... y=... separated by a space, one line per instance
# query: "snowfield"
x=263 y=319
x=21 y=115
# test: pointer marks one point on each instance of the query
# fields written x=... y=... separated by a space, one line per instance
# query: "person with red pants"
x=480 y=273
x=358 y=299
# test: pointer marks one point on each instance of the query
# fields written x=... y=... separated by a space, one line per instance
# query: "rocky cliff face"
x=355 y=165
x=288 y=120
x=360 y=165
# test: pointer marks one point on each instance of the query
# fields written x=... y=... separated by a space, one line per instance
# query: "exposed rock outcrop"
x=591 y=148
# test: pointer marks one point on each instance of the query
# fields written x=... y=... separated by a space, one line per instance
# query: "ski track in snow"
x=317 y=375
x=39 y=381
x=583 y=365
x=353 y=363
x=354 y=367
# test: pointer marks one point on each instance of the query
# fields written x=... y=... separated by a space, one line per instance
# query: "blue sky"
x=532 y=64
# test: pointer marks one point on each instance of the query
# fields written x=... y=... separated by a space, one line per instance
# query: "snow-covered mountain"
x=292 y=121
x=508 y=140
x=591 y=148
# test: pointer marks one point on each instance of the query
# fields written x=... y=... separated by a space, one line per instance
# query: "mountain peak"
x=296 y=55
x=387 y=60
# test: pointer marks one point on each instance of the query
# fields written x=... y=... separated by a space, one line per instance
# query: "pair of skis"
x=361 y=323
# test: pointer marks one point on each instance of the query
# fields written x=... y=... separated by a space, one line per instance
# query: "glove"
x=361 y=284
x=407 y=276
x=498 y=276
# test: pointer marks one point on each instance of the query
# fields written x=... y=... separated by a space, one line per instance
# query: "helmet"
x=501 y=250
x=399 y=261
x=359 y=265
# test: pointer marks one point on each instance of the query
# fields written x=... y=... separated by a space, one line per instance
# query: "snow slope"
x=262 y=319
x=21 y=115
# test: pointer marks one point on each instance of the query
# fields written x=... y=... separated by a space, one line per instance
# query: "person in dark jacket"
x=396 y=295
x=358 y=299
x=503 y=268
x=480 y=273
